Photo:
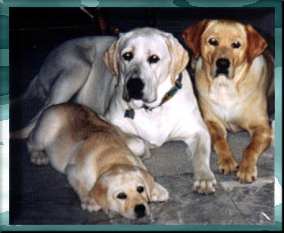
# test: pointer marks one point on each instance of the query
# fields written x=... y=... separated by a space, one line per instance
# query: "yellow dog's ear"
x=192 y=36
x=256 y=44
x=99 y=193
x=179 y=55
x=155 y=192
x=110 y=58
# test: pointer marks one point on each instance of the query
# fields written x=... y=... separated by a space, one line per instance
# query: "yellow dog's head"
x=127 y=190
x=224 y=45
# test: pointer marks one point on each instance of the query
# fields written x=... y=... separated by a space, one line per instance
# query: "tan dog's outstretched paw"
x=247 y=173
x=159 y=193
x=39 y=158
x=227 y=165
x=205 y=184
x=90 y=204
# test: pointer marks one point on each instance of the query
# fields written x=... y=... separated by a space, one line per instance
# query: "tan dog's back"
x=69 y=132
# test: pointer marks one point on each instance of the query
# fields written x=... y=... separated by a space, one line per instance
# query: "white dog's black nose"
x=135 y=88
x=222 y=65
x=140 y=210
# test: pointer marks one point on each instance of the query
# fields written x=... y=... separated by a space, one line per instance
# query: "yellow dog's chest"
x=224 y=100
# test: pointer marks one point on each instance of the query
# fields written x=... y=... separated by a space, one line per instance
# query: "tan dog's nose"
x=140 y=210
x=222 y=65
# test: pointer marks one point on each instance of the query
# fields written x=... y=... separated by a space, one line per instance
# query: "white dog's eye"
x=213 y=41
x=121 y=196
x=140 y=189
x=153 y=59
x=127 y=56
x=236 y=45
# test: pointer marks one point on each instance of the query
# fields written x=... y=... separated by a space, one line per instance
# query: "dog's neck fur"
x=228 y=96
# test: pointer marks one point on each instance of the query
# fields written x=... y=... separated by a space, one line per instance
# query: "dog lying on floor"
x=96 y=160
x=234 y=79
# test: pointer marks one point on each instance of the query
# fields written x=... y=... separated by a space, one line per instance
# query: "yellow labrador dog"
x=139 y=83
x=234 y=76
x=94 y=156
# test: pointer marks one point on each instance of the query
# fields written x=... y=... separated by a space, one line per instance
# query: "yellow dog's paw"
x=227 y=165
x=247 y=173
x=90 y=204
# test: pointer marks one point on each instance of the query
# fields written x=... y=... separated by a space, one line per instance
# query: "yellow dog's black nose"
x=223 y=63
x=140 y=210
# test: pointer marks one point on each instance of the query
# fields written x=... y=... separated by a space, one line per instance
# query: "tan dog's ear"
x=255 y=42
x=110 y=58
x=180 y=56
x=192 y=36
x=155 y=191
x=99 y=193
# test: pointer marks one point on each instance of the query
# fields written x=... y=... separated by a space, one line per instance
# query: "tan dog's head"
x=127 y=190
x=224 y=45
x=142 y=59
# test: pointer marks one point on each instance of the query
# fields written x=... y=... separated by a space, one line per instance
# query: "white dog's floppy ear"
x=110 y=58
x=179 y=55
x=256 y=44
x=155 y=191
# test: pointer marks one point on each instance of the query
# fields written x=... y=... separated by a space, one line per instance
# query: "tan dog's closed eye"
x=234 y=78
x=93 y=154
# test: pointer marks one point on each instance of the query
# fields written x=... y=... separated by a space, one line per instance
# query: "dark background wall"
x=35 y=31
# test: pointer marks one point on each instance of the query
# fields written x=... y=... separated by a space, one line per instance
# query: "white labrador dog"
x=139 y=83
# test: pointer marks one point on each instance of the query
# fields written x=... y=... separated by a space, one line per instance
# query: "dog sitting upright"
x=93 y=154
x=234 y=77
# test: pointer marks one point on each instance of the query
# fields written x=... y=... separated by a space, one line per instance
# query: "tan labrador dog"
x=234 y=76
x=94 y=156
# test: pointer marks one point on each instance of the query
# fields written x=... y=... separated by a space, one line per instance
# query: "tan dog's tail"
x=25 y=132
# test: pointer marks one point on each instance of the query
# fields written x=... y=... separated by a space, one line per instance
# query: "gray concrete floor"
x=43 y=196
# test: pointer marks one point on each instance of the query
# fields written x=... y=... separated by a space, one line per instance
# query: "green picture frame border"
x=4 y=102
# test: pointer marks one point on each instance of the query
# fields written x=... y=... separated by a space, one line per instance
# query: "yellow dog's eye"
x=127 y=56
x=140 y=189
x=236 y=45
x=153 y=59
x=121 y=196
x=213 y=42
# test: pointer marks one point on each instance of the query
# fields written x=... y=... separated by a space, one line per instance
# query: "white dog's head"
x=142 y=59
x=127 y=190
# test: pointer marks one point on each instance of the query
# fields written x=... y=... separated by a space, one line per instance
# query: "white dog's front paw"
x=39 y=158
x=90 y=204
x=205 y=182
